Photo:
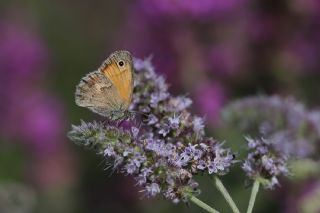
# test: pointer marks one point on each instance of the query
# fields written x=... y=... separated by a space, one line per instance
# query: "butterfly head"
x=121 y=60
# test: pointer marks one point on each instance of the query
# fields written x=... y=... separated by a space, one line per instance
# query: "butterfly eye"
x=121 y=63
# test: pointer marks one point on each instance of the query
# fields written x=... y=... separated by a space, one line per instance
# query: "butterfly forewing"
x=122 y=80
x=120 y=76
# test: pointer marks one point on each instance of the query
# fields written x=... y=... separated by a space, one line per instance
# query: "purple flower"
x=267 y=165
x=222 y=160
x=180 y=103
x=212 y=168
x=140 y=64
x=180 y=162
x=202 y=165
x=152 y=119
x=197 y=154
x=109 y=151
x=152 y=190
x=157 y=97
x=248 y=167
x=292 y=129
x=169 y=149
x=161 y=84
x=151 y=144
x=127 y=151
x=174 y=122
x=134 y=131
x=198 y=125
x=131 y=168
x=164 y=130
x=142 y=177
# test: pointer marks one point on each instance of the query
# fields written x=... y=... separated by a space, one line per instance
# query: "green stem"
x=253 y=196
x=226 y=195
x=202 y=205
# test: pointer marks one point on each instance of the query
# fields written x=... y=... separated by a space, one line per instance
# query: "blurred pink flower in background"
x=40 y=122
x=22 y=61
x=185 y=60
x=261 y=27
x=191 y=7
x=209 y=99
x=22 y=53
x=157 y=41
x=225 y=60
x=300 y=54
x=30 y=115
x=306 y=7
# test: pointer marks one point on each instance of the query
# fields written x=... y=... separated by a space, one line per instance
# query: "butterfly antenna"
x=106 y=122
x=120 y=122
x=140 y=125
x=102 y=161
x=112 y=171
x=142 y=120
x=137 y=112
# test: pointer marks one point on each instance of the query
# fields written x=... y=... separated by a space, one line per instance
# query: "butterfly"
x=108 y=90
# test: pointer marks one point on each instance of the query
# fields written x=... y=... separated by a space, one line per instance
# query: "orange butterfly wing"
x=122 y=81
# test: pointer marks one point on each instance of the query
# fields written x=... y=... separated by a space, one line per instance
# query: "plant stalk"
x=202 y=205
x=253 y=196
x=226 y=195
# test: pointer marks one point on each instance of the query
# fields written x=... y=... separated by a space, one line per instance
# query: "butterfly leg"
x=119 y=122
x=106 y=122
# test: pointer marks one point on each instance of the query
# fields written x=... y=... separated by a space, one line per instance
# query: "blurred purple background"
x=213 y=51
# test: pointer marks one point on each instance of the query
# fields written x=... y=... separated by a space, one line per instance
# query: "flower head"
x=287 y=123
x=264 y=162
x=167 y=150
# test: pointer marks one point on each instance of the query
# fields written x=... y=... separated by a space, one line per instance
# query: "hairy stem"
x=253 y=196
x=202 y=205
x=226 y=194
